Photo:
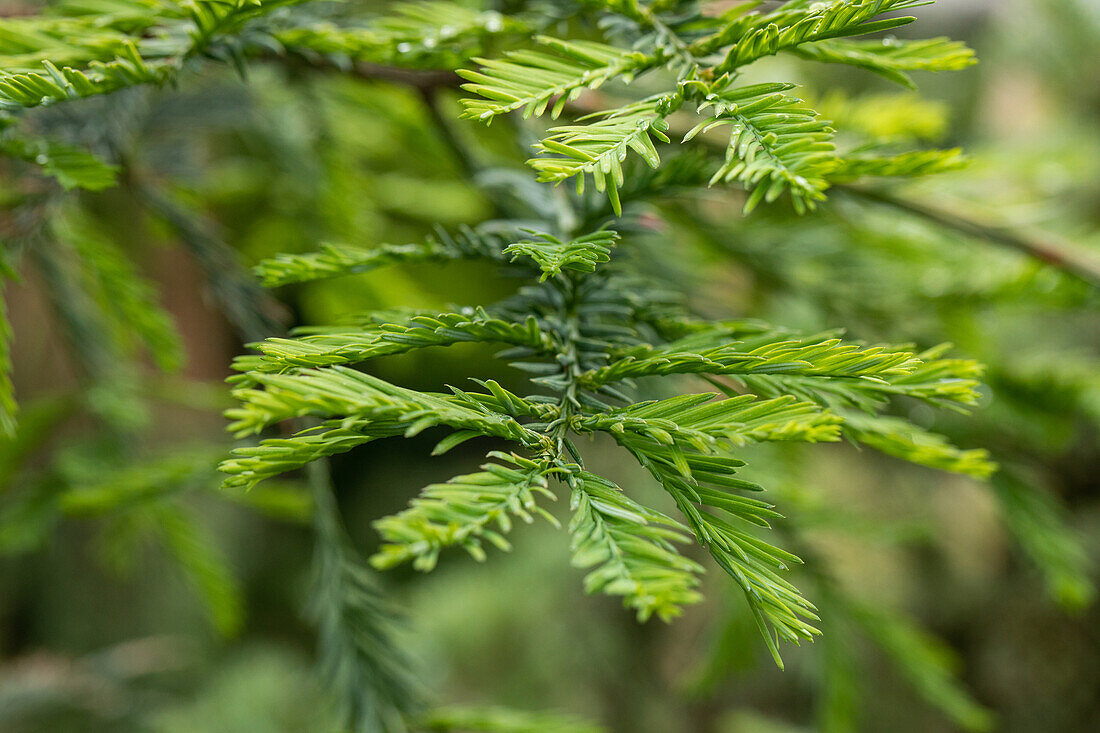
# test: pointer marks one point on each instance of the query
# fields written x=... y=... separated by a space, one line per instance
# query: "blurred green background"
x=185 y=611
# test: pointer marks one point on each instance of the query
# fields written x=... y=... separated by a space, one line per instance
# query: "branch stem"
x=1044 y=249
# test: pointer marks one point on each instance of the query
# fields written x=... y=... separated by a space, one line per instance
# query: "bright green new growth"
x=595 y=336
x=463 y=511
x=631 y=548
x=552 y=255
x=585 y=358
x=574 y=331
x=775 y=145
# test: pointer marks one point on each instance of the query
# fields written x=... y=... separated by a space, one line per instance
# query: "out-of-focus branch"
x=430 y=95
x=1041 y=247
x=423 y=80
x=253 y=313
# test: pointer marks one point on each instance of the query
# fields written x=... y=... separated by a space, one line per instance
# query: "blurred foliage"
x=940 y=602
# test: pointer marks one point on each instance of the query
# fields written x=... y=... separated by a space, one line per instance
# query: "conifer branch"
x=597 y=149
x=552 y=255
x=756 y=35
x=9 y=408
x=903 y=165
x=384 y=339
x=250 y=310
x=172 y=36
x=368 y=675
x=532 y=80
x=587 y=328
x=463 y=512
x=631 y=548
x=453 y=719
x=775 y=144
x=335 y=260
x=411 y=43
x=909 y=442
x=1043 y=249
x=71 y=166
x=891 y=57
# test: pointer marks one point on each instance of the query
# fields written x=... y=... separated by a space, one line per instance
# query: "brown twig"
x=423 y=80
x=1041 y=248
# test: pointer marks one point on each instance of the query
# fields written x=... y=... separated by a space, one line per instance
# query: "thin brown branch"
x=430 y=96
x=423 y=80
x=1042 y=247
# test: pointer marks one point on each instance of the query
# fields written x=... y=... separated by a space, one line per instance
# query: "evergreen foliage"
x=600 y=340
